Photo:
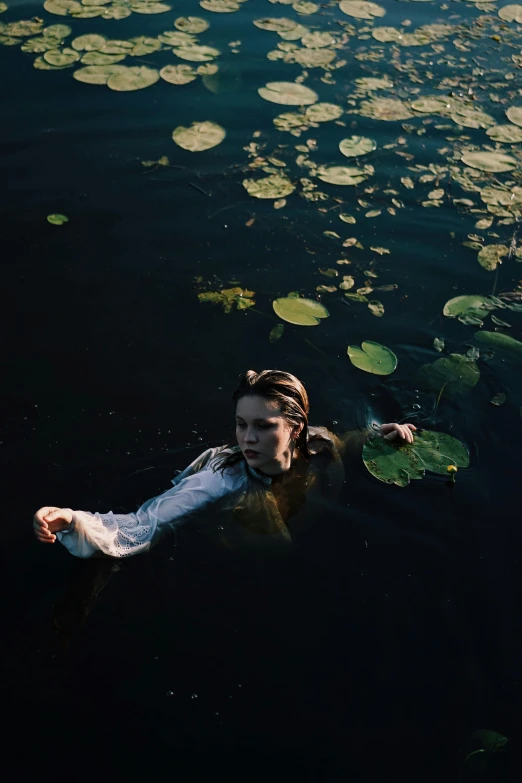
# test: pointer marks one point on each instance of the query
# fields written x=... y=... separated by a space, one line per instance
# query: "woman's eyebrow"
x=256 y=421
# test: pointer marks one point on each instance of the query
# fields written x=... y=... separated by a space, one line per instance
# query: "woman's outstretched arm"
x=121 y=535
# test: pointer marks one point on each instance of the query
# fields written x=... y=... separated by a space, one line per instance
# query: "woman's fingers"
x=404 y=431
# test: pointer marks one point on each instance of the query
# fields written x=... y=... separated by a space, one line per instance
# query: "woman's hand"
x=404 y=431
x=50 y=520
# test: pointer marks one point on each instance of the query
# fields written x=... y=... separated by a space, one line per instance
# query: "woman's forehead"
x=257 y=407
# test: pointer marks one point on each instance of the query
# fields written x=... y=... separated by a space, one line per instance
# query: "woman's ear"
x=296 y=430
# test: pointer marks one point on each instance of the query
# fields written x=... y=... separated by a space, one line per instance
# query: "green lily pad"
x=3 y=7
x=196 y=54
x=89 y=43
x=61 y=57
x=273 y=186
x=500 y=341
x=372 y=357
x=220 y=6
x=395 y=463
x=63 y=7
x=451 y=375
x=302 y=312
x=199 y=137
x=228 y=297
x=100 y=58
x=276 y=333
x=461 y=304
x=56 y=219
x=276 y=25
x=356 y=145
x=288 y=93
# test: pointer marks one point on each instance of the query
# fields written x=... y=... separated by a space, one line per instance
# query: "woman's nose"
x=251 y=436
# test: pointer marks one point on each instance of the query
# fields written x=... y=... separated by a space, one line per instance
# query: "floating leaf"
x=61 y=57
x=514 y=115
x=303 y=312
x=63 y=7
x=100 y=58
x=361 y=9
x=438 y=344
x=195 y=53
x=395 y=463
x=273 y=186
x=96 y=74
x=489 y=161
x=511 y=13
x=372 y=357
x=323 y=112
x=150 y=8
x=305 y=8
x=347 y=218
x=356 y=145
x=228 y=297
x=376 y=308
x=276 y=333
x=191 y=24
x=498 y=399
x=220 y=6
x=88 y=43
x=199 y=137
x=461 y=304
x=341 y=175
x=57 y=220
x=489 y=256
x=288 y=93
x=178 y=74
x=388 y=109
x=500 y=322
x=276 y=25
x=500 y=341
x=505 y=134
x=132 y=78
x=452 y=375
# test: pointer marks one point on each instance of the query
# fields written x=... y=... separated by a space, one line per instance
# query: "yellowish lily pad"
x=356 y=145
x=298 y=311
x=199 y=137
x=178 y=74
x=361 y=9
x=341 y=175
x=288 y=93
x=489 y=161
x=274 y=186
x=132 y=78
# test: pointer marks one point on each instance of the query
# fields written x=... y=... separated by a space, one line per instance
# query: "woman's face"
x=263 y=435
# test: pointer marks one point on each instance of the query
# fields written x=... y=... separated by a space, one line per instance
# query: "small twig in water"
x=196 y=187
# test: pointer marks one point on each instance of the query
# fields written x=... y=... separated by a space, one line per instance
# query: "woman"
x=265 y=477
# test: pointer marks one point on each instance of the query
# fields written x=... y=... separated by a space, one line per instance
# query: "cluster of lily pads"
x=473 y=115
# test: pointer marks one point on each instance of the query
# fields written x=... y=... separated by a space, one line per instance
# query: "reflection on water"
x=386 y=633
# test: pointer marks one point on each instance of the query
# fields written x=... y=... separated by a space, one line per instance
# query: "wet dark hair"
x=282 y=388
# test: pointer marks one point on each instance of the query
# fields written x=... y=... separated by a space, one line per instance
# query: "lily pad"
x=132 y=78
x=451 y=375
x=341 y=175
x=288 y=93
x=302 y=312
x=461 y=305
x=399 y=463
x=511 y=13
x=500 y=341
x=220 y=6
x=56 y=219
x=514 y=115
x=276 y=333
x=388 y=109
x=228 y=297
x=61 y=57
x=199 y=137
x=360 y=9
x=150 y=8
x=356 y=145
x=489 y=256
x=373 y=357
x=96 y=74
x=323 y=112
x=178 y=74
x=63 y=7
x=274 y=186
x=89 y=43
x=489 y=161
x=191 y=24
x=505 y=134
x=100 y=58
x=196 y=54
x=276 y=25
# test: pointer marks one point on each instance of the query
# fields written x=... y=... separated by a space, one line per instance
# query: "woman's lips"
x=250 y=453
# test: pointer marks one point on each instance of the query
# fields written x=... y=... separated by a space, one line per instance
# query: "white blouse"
x=122 y=535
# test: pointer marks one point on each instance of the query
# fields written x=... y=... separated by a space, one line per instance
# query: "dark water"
x=391 y=629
